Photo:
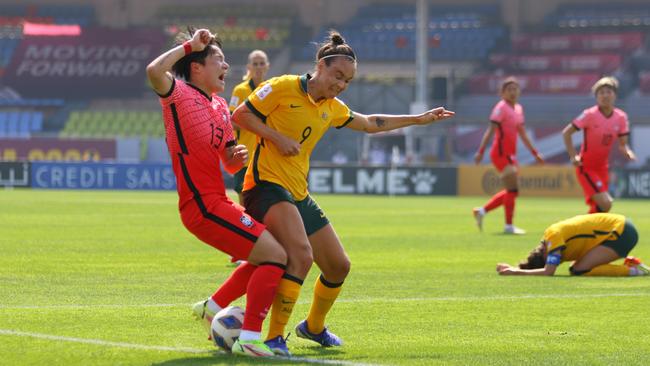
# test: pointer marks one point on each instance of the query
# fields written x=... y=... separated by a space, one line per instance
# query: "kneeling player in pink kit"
x=602 y=124
x=199 y=135
x=506 y=123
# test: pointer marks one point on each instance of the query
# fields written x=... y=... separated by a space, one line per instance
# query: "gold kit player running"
x=590 y=242
x=290 y=114
x=602 y=124
x=506 y=122
x=200 y=137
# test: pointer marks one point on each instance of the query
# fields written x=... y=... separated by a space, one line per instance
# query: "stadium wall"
x=544 y=181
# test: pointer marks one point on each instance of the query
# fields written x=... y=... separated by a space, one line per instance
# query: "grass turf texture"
x=119 y=267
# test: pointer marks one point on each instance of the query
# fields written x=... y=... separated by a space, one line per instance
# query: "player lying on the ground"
x=591 y=242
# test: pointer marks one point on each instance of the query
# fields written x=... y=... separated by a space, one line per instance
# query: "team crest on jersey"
x=264 y=91
x=324 y=116
x=246 y=221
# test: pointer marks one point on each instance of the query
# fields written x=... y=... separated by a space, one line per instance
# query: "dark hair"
x=507 y=81
x=334 y=45
x=536 y=258
x=182 y=67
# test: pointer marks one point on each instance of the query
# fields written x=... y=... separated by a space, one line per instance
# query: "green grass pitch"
x=108 y=278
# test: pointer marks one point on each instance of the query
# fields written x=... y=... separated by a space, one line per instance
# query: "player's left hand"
x=436 y=114
x=630 y=155
x=504 y=269
x=240 y=155
x=539 y=158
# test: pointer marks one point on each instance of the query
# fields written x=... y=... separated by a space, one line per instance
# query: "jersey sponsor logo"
x=246 y=221
x=264 y=91
x=234 y=101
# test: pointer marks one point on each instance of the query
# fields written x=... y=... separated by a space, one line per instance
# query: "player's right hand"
x=201 y=39
x=478 y=157
x=286 y=145
x=576 y=160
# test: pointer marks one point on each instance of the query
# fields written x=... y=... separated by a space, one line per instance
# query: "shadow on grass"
x=311 y=355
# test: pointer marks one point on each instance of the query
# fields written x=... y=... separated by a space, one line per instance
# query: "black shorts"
x=238 y=180
x=260 y=198
x=625 y=242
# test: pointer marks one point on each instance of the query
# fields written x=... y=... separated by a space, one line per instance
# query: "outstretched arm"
x=526 y=140
x=158 y=71
x=386 y=122
x=505 y=269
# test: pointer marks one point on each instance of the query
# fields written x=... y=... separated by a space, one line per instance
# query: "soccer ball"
x=226 y=326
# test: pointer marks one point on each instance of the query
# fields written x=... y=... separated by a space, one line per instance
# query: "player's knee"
x=604 y=205
x=268 y=249
x=343 y=268
x=300 y=258
x=577 y=271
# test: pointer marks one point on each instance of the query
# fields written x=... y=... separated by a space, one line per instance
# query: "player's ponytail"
x=335 y=46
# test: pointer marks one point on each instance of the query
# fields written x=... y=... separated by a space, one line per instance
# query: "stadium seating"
x=111 y=124
x=609 y=15
x=239 y=26
x=387 y=33
x=20 y=124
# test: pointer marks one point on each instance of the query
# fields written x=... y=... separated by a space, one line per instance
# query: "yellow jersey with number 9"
x=571 y=239
x=284 y=105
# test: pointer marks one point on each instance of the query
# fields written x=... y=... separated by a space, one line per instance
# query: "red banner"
x=53 y=149
x=578 y=42
x=537 y=83
x=603 y=63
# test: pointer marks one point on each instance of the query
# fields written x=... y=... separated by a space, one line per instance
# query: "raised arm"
x=569 y=130
x=158 y=71
x=244 y=117
x=386 y=122
x=526 y=140
x=478 y=157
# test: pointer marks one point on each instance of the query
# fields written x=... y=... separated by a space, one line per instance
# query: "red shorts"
x=500 y=161
x=224 y=225
x=592 y=181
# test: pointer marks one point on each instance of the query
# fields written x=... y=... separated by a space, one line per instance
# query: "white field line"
x=99 y=342
x=358 y=300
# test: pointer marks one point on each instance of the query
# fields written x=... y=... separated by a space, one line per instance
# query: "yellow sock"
x=324 y=297
x=612 y=270
x=285 y=298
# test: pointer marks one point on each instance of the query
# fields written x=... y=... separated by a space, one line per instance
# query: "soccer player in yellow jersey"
x=256 y=69
x=591 y=242
x=290 y=114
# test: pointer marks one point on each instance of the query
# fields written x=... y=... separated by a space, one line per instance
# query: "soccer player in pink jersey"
x=199 y=136
x=601 y=125
x=506 y=123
